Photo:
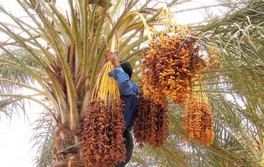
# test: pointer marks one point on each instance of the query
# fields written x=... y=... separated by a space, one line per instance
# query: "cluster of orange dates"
x=197 y=122
x=151 y=123
x=169 y=66
x=103 y=134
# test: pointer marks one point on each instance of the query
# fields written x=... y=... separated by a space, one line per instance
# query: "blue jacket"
x=129 y=94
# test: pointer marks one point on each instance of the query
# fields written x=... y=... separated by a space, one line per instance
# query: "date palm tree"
x=53 y=56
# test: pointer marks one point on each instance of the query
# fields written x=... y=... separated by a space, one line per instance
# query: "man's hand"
x=112 y=57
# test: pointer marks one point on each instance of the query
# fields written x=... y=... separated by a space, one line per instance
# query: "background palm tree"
x=54 y=58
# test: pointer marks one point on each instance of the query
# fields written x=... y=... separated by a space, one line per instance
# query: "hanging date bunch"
x=103 y=134
x=197 y=120
x=151 y=122
x=104 y=124
x=169 y=66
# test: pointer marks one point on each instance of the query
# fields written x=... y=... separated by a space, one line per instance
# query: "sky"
x=15 y=146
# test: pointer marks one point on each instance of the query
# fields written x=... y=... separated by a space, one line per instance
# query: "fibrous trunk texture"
x=66 y=147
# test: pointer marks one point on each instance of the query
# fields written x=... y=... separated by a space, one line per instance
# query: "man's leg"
x=129 y=147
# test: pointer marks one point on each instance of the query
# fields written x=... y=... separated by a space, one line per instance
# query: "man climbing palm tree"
x=129 y=94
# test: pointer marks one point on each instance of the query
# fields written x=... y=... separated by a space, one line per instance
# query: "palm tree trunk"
x=66 y=147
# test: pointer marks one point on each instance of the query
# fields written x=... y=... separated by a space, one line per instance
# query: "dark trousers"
x=129 y=147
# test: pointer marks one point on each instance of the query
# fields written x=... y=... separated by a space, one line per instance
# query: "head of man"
x=126 y=66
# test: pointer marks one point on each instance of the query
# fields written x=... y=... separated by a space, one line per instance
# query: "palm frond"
x=11 y=106
x=43 y=140
x=14 y=73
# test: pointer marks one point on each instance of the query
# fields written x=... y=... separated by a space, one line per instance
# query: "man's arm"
x=112 y=57
x=124 y=83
